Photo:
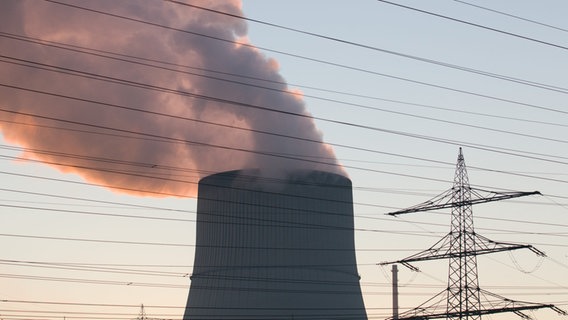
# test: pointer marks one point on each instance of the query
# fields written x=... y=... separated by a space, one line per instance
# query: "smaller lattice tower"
x=142 y=315
x=461 y=246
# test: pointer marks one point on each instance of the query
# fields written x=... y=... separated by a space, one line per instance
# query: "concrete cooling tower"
x=275 y=248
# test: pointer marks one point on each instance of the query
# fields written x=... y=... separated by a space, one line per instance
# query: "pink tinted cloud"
x=145 y=152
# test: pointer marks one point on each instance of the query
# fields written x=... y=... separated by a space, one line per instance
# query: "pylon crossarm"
x=439 y=201
x=501 y=304
x=439 y=249
x=465 y=314
x=430 y=309
x=404 y=263
x=443 y=200
x=442 y=250
x=485 y=245
x=434 y=308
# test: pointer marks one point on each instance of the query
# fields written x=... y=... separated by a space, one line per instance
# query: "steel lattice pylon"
x=142 y=315
x=461 y=246
x=463 y=285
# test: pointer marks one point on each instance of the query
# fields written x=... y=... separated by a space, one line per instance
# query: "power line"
x=88 y=75
x=306 y=58
x=181 y=245
x=477 y=25
x=68 y=304
x=330 y=143
x=200 y=172
x=137 y=60
x=374 y=48
x=185 y=286
x=339 y=284
x=8 y=190
x=507 y=151
x=189 y=94
x=110 y=268
x=511 y=15
x=184 y=245
x=258 y=221
x=142 y=217
x=178 y=140
x=247 y=105
x=285 y=224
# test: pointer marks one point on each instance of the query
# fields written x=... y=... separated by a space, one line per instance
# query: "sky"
x=391 y=91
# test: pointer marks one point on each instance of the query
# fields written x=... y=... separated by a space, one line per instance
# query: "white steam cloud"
x=56 y=105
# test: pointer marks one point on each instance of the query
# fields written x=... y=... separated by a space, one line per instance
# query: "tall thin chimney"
x=394 y=292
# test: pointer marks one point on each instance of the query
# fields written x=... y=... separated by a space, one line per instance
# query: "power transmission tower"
x=462 y=246
x=142 y=314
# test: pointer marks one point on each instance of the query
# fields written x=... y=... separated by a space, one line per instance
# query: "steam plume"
x=84 y=125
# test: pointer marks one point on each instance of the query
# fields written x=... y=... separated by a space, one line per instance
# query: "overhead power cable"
x=286 y=224
x=163 y=167
x=274 y=180
x=309 y=59
x=501 y=150
x=186 y=245
x=251 y=130
x=153 y=268
x=374 y=48
x=134 y=283
x=238 y=128
x=83 y=74
x=121 y=269
x=127 y=173
x=150 y=176
x=248 y=221
x=155 y=306
x=93 y=281
x=477 y=25
x=176 y=169
x=158 y=64
x=193 y=212
x=193 y=172
x=68 y=304
x=201 y=171
x=333 y=144
x=296 y=225
x=90 y=268
x=199 y=143
x=81 y=267
x=519 y=221
x=65 y=314
x=342 y=288
x=243 y=288
x=511 y=15
x=114 y=315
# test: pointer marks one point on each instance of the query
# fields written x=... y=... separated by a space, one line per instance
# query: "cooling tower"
x=275 y=248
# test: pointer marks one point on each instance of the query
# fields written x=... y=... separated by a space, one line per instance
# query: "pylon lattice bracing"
x=463 y=286
x=463 y=297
